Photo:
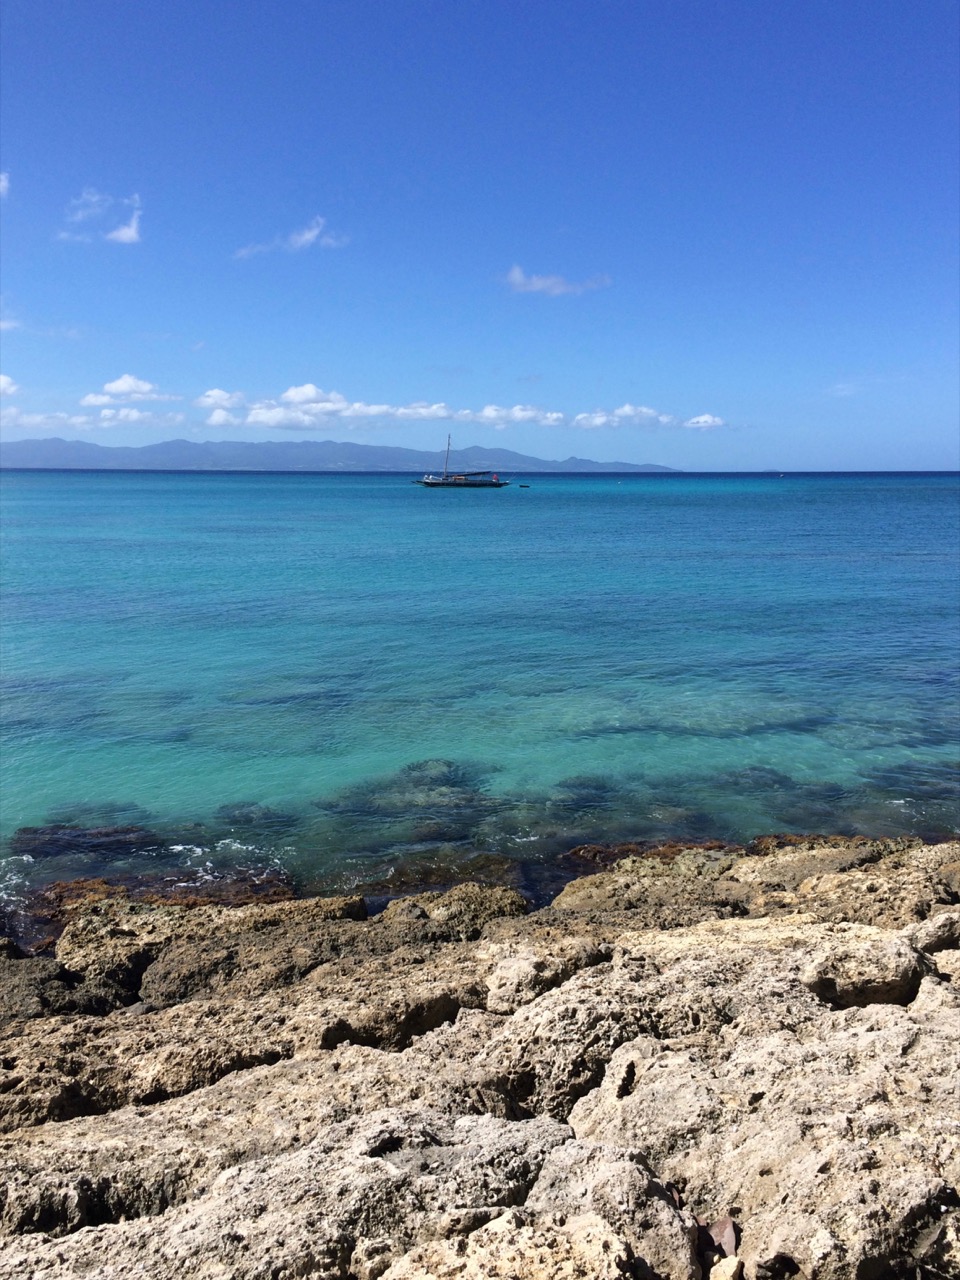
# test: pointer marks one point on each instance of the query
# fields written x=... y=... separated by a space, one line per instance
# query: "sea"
x=363 y=683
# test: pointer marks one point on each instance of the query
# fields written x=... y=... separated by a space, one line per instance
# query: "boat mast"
x=446 y=459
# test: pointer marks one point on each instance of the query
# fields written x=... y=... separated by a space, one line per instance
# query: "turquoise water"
x=255 y=666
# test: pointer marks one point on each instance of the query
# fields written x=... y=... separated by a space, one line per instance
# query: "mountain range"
x=286 y=455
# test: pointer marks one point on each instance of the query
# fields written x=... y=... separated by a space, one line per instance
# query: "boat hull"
x=454 y=482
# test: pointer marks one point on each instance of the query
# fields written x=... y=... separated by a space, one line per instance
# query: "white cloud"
x=495 y=415
x=128 y=232
x=123 y=417
x=705 y=421
x=308 y=406
x=552 y=286
x=589 y=421
x=128 y=385
x=7 y=385
x=126 y=388
x=267 y=415
x=307 y=394
x=634 y=412
x=217 y=399
x=4 y=185
x=14 y=419
x=627 y=415
x=424 y=411
x=295 y=241
x=8 y=324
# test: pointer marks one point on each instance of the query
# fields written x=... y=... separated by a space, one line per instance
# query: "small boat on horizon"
x=461 y=479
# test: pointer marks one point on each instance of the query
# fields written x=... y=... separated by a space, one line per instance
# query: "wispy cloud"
x=4 y=185
x=125 y=390
x=552 y=286
x=89 y=204
x=7 y=385
x=15 y=419
x=314 y=233
x=87 y=214
x=123 y=417
x=7 y=324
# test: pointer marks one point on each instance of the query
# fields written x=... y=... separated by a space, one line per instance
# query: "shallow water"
x=254 y=667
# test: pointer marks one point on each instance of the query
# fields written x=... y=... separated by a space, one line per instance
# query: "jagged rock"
x=36 y=922
x=793 y=1113
x=516 y=1247
x=461 y=912
x=726 y=1269
x=522 y=973
x=453 y=1088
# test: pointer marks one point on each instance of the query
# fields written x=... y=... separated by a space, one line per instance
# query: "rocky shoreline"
x=695 y=1062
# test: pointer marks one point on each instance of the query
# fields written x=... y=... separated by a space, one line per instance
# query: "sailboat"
x=461 y=479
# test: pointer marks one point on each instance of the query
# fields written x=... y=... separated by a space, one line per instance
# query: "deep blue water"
x=594 y=657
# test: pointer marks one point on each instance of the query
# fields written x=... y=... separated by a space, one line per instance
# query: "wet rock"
x=104 y=843
x=250 y=815
x=104 y=814
x=663 y=851
x=668 y=887
x=424 y=791
x=40 y=917
x=442 y=869
x=35 y=987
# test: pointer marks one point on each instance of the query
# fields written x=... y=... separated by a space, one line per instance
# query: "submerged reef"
x=437 y=822
x=696 y=1061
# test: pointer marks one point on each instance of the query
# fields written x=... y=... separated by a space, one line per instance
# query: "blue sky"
x=709 y=235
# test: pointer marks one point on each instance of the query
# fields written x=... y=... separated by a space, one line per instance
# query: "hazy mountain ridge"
x=285 y=455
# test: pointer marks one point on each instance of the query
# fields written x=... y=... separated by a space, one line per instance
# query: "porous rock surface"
x=697 y=1065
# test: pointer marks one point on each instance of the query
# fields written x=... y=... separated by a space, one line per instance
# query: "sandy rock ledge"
x=707 y=1064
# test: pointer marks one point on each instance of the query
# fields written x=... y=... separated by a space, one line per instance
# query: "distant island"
x=285 y=455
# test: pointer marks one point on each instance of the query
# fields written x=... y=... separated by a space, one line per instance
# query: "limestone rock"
x=514 y=1247
x=455 y=1088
